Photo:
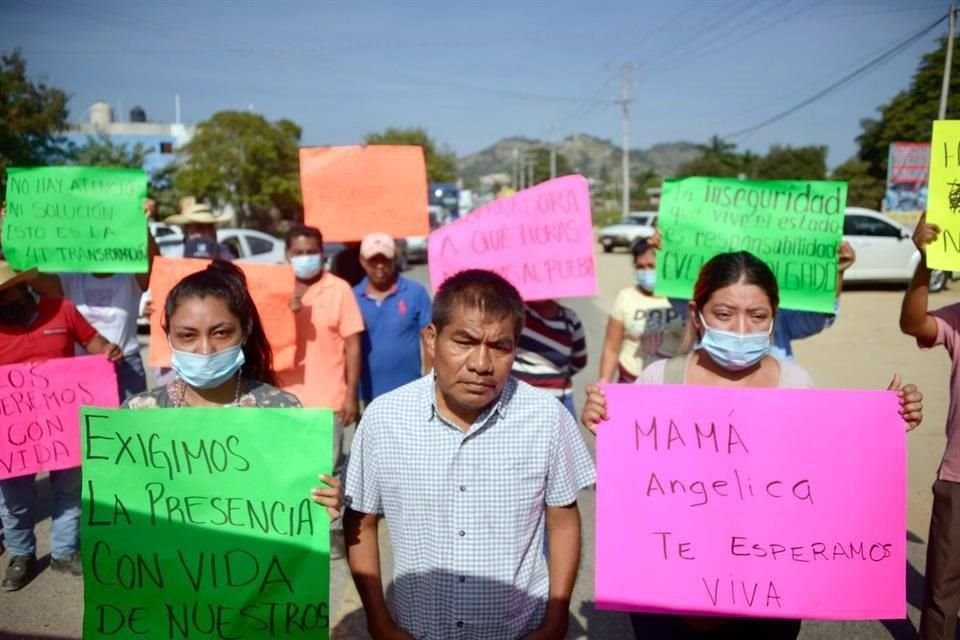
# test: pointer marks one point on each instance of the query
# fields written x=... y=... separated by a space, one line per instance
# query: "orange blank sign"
x=349 y=192
x=270 y=285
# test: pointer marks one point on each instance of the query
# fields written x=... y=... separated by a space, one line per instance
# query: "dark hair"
x=223 y=280
x=725 y=269
x=639 y=247
x=478 y=289
x=302 y=231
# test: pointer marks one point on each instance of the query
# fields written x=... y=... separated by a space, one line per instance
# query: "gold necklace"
x=181 y=400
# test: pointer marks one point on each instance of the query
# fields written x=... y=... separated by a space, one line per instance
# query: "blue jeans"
x=131 y=376
x=20 y=514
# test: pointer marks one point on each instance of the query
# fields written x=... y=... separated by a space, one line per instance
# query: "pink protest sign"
x=40 y=411
x=776 y=503
x=540 y=239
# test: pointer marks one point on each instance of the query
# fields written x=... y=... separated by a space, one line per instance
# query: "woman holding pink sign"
x=728 y=341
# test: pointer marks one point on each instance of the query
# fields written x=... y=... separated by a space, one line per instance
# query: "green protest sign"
x=793 y=226
x=198 y=523
x=81 y=219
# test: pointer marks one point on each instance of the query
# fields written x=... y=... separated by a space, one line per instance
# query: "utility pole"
x=945 y=88
x=531 y=161
x=516 y=176
x=626 y=69
x=553 y=154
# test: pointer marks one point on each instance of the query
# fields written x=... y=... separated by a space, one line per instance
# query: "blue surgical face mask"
x=306 y=267
x=735 y=351
x=207 y=370
x=647 y=279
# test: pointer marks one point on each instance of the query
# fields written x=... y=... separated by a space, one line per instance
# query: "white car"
x=249 y=245
x=885 y=250
x=635 y=226
x=165 y=233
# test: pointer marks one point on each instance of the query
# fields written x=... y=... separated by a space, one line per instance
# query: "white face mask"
x=308 y=266
x=732 y=350
x=207 y=370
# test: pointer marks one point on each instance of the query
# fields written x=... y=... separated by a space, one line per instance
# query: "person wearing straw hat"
x=33 y=328
x=199 y=224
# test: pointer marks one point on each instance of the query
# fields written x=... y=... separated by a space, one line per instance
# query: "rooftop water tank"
x=137 y=114
x=101 y=114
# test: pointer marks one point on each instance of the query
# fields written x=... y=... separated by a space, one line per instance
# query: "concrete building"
x=162 y=139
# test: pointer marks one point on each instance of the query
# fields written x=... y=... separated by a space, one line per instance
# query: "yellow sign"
x=943 y=201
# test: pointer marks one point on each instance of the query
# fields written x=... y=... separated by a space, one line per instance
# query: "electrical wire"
x=733 y=37
x=868 y=67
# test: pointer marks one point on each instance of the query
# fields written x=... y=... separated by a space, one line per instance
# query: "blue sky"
x=473 y=72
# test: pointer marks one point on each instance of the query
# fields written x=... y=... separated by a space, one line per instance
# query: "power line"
x=732 y=37
x=708 y=27
x=876 y=62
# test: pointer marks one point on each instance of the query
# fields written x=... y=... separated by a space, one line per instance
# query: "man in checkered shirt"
x=471 y=468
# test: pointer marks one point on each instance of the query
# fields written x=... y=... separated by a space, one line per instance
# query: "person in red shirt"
x=34 y=328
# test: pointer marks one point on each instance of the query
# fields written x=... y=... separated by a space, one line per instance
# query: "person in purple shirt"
x=395 y=311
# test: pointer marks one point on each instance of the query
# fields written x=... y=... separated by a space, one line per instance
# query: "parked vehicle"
x=446 y=195
x=415 y=247
x=636 y=225
x=249 y=245
x=415 y=250
x=885 y=250
x=163 y=232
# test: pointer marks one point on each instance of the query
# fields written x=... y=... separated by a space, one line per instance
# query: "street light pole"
x=627 y=68
x=945 y=88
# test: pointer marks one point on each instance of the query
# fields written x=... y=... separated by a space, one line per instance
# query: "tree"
x=240 y=159
x=103 y=152
x=709 y=165
x=793 y=163
x=908 y=117
x=717 y=158
x=441 y=165
x=31 y=117
x=863 y=189
x=717 y=147
x=639 y=200
x=541 y=165
x=749 y=163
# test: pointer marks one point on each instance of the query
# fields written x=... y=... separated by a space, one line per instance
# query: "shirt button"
x=460 y=623
x=463 y=578
x=461 y=533
x=463 y=487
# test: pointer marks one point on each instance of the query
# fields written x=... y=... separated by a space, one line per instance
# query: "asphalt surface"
x=862 y=350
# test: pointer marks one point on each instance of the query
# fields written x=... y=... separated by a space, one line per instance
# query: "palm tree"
x=718 y=148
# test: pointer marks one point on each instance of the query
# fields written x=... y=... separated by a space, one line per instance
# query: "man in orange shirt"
x=327 y=368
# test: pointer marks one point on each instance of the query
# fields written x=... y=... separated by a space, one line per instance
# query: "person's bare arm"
x=611 y=349
x=153 y=251
x=351 y=409
x=363 y=556
x=563 y=546
x=915 y=320
x=846 y=256
x=100 y=345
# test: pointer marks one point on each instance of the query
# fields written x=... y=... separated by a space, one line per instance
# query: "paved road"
x=862 y=351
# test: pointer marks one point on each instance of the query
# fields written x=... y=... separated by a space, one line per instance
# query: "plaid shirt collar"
x=498 y=408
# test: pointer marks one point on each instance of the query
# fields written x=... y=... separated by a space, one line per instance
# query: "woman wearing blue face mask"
x=220 y=353
x=732 y=314
x=642 y=327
